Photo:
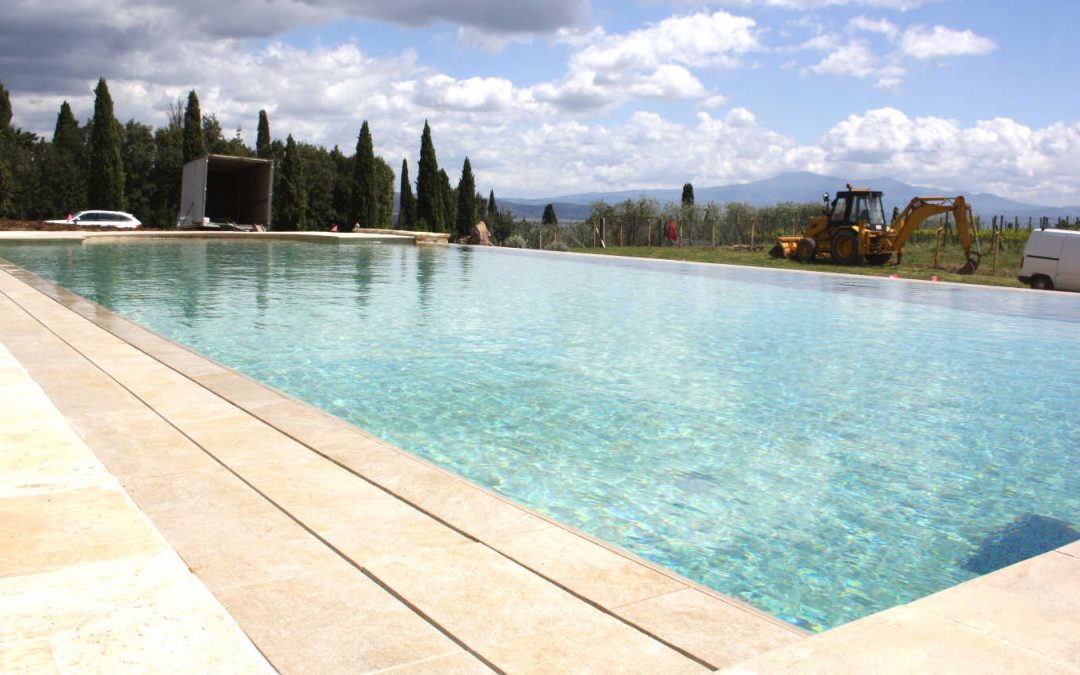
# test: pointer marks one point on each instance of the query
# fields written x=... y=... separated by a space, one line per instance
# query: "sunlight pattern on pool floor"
x=820 y=446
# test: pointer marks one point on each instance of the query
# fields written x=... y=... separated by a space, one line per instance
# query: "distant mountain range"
x=786 y=187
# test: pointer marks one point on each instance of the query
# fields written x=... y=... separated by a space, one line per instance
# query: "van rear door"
x=1068 y=276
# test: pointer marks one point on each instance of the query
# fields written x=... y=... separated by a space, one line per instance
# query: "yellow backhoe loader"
x=852 y=230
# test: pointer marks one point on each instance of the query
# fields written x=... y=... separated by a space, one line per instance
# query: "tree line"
x=133 y=167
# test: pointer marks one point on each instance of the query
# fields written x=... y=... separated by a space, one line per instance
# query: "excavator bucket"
x=971 y=265
x=778 y=251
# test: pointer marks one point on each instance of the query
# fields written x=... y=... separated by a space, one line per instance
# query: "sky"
x=552 y=97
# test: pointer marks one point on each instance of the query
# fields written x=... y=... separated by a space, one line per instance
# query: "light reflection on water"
x=820 y=446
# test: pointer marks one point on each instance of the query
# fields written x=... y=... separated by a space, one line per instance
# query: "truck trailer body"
x=226 y=192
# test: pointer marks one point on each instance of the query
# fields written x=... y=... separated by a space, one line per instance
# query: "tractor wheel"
x=878 y=258
x=845 y=248
x=806 y=250
x=1041 y=283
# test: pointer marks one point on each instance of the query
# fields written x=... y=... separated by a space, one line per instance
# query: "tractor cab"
x=856 y=207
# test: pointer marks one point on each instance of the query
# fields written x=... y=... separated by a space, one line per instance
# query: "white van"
x=1052 y=260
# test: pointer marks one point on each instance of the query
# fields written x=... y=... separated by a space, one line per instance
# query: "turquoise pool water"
x=820 y=446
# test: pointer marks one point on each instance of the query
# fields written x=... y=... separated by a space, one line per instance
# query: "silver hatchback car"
x=100 y=219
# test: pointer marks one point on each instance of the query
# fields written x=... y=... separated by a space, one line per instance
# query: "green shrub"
x=515 y=241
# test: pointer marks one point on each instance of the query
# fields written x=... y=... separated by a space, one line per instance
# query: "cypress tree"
x=294 y=195
x=687 y=195
x=492 y=210
x=549 y=217
x=64 y=178
x=365 y=181
x=5 y=109
x=466 y=205
x=105 y=184
x=407 y=203
x=384 y=193
x=7 y=152
x=67 y=134
x=447 y=202
x=194 y=143
x=428 y=187
x=341 y=202
x=262 y=140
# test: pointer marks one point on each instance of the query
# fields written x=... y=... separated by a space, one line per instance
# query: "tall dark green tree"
x=406 y=203
x=194 y=142
x=318 y=172
x=213 y=136
x=137 y=152
x=429 y=213
x=166 y=175
x=293 y=212
x=262 y=140
x=342 y=207
x=64 y=175
x=549 y=217
x=466 y=205
x=365 y=189
x=687 y=195
x=492 y=210
x=688 y=214
x=105 y=180
x=384 y=193
x=447 y=202
x=7 y=152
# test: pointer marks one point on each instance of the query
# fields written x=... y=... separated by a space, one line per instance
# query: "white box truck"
x=223 y=192
x=1052 y=260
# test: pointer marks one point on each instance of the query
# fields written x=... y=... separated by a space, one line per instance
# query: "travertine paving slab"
x=1034 y=604
x=333 y=619
x=353 y=515
x=719 y=632
x=601 y=645
x=61 y=529
x=27 y=656
x=512 y=616
x=903 y=640
x=455 y=664
x=589 y=569
x=86 y=583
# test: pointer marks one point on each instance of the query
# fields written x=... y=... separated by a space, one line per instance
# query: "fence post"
x=753 y=227
x=997 y=247
x=937 y=246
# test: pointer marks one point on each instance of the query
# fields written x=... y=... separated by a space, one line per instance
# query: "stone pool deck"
x=161 y=512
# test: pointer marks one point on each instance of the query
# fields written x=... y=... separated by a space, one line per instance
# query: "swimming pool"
x=820 y=446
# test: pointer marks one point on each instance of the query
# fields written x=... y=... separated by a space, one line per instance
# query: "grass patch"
x=918 y=262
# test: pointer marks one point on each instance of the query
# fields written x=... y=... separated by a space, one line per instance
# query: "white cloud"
x=605 y=71
x=805 y=5
x=854 y=59
x=998 y=155
x=931 y=43
x=698 y=40
x=851 y=55
x=882 y=26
